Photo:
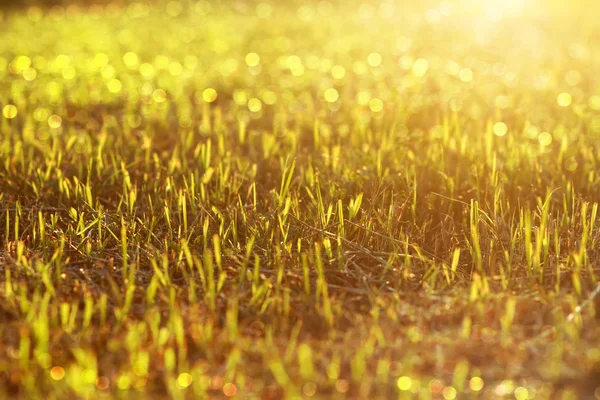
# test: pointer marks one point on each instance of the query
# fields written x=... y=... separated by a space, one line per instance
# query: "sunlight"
x=496 y=10
x=283 y=199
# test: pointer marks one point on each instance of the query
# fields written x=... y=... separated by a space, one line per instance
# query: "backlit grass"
x=265 y=200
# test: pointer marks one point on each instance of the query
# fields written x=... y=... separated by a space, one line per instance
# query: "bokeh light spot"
x=564 y=99
x=594 y=102
x=114 y=86
x=102 y=383
x=331 y=95
x=240 y=97
x=54 y=121
x=131 y=60
x=216 y=382
x=209 y=95
x=229 y=389
x=159 y=95
x=309 y=389
x=420 y=67
x=254 y=104
x=40 y=114
x=374 y=59
x=108 y=71
x=20 y=64
x=175 y=68
x=342 y=386
x=449 y=393
x=466 y=75
x=545 y=138
x=9 y=111
x=571 y=164
x=363 y=97
x=502 y=101
x=269 y=97
x=29 y=74
x=407 y=62
x=500 y=129
x=521 y=393
x=404 y=383
x=252 y=59
x=504 y=388
x=124 y=382
x=476 y=384
x=57 y=373
x=184 y=380
x=436 y=386
x=376 y=105
x=573 y=77
x=147 y=70
x=68 y=73
x=338 y=72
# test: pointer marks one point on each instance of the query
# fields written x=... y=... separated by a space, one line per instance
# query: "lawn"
x=379 y=199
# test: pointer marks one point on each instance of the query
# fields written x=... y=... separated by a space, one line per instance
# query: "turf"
x=311 y=200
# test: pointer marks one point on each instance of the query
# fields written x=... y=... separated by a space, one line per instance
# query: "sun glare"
x=497 y=10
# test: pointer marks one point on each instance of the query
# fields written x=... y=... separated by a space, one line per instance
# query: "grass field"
x=300 y=200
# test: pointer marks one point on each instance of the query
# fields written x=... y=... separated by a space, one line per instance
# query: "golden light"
x=254 y=104
x=363 y=94
x=476 y=384
x=229 y=389
x=404 y=383
x=521 y=393
x=131 y=60
x=124 y=382
x=338 y=72
x=564 y=99
x=55 y=121
x=114 y=86
x=184 y=380
x=9 y=111
x=420 y=67
x=159 y=95
x=57 y=373
x=500 y=129
x=363 y=98
x=209 y=95
x=594 y=102
x=331 y=95
x=376 y=105
x=269 y=97
x=374 y=59
x=545 y=138
x=496 y=10
x=240 y=97
x=449 y=393
x=252 y=59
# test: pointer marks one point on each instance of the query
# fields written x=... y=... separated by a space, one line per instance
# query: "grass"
x=375 y=200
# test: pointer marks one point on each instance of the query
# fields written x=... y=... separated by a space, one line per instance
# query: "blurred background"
x=49 y=3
